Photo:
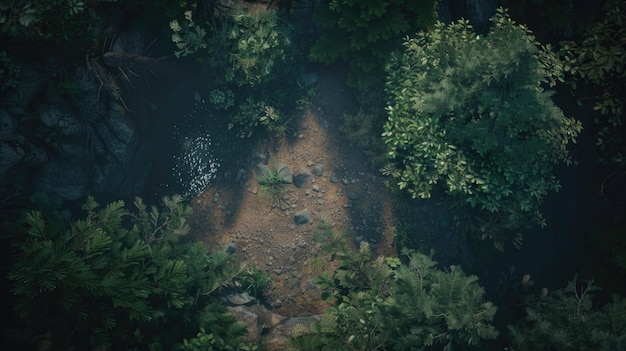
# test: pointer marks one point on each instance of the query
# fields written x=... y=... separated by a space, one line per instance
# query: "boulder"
x=262 y=171
x=251 y=320
x=278 y=336
x=300 y=178
x=257 y=319
x=285 y=173
x=318 y=169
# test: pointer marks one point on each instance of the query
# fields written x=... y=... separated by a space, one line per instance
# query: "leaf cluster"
x=567 y=320
x=53 y=20
x=363 y=33
x=467 y=115
x=598 y=65
x=386 y=304
x=120 y=279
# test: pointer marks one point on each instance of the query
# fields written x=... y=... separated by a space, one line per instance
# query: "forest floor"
x=349 y=197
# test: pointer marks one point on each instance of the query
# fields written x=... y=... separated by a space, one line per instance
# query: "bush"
x=118 y=279
x=467 y=116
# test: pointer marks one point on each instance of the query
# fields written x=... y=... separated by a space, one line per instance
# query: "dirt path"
x=349 y=196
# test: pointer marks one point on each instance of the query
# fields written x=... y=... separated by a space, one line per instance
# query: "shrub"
x=467 y=116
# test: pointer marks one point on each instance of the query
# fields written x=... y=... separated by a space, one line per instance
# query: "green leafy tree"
x=467 y=116
x=384 y=304
x=597 y=67
x=567 y=320
x=363 y=33
x=118 y=280
x=241 y=46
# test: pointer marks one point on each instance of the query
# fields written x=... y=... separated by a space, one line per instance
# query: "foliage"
x=272 y=184
x=188 y=38
x=252 y=56
x=364 y=127
x=53 y=20
x=363 y=33
x=567 y=320
x=117 y=279
x=222 y=99
x=467 y=115
x=253 y=281
x=384 y=304
x=546 y=18
x=169 y=8
x=242 y=47
x=598 y=64
x=252 y=113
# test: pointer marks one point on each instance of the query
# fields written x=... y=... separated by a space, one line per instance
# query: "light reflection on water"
x=196 y=165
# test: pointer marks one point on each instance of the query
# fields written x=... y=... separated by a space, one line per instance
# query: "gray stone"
x=261 y=171
x=309 y=79
x=300 y=178
x=285 y=173
x=251 y=320
x=278 y=335
x=334 y=179
x=318 y=169
x=302 y=217
x=256 y=318
x=230 y=248
x=315 y=188
x=241 y=299
x=260 y=157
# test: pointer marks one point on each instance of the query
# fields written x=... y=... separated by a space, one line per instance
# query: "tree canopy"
x=385 y=304
x=364 y=33
x=467 y=115
x=119 y=279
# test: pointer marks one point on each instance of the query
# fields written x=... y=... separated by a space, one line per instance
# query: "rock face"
x=263 y=323
x=75 y=143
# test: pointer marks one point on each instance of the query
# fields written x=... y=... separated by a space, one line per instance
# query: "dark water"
x=186 y=156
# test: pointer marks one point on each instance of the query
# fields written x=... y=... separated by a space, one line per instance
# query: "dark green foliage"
x=546 y=18
x=567 y=320
x=251 y=55
x=597 y=67
x=384 y=304
x=467 y=116
x=242 y=47
x=364 y=127
x=54 y=20
x=117 y=279
x=364 y=33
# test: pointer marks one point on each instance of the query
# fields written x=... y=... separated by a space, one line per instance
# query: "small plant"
x=273 y=185
x=222 y=99
x=308 y=97
x=274 y=121
x=247 y=117
x=253 y=281
x=317 y=265
x=188 y=37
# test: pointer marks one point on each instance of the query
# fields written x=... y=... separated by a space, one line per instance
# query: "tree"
x=597 y=67
x=567 y=320
x=467 y=116
x=363 y=33
x=118 y=280
x=384 y=304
